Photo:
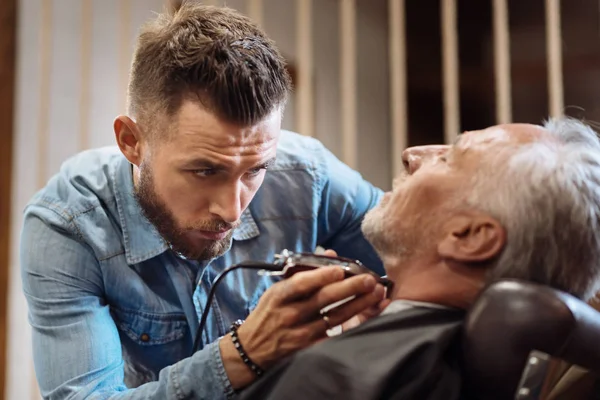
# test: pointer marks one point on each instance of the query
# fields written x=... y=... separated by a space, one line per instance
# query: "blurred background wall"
x=371 y=76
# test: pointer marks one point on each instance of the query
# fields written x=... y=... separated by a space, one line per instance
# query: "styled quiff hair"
x=212 y=55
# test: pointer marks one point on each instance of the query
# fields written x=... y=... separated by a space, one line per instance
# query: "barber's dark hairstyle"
x=212 y=55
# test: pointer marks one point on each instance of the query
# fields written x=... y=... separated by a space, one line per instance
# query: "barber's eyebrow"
x=203 y=163
x=267 y=164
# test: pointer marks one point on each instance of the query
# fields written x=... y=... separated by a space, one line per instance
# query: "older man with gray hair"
x=511 y=201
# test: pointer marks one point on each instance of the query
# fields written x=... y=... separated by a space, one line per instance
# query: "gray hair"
x=547 y=196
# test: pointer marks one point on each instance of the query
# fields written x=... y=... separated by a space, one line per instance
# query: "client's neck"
x=434 y=282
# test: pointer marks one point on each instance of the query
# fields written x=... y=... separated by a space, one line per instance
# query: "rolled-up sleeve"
x=76 y=345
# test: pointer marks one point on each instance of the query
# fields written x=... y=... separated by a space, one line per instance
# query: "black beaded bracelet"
x=236 y=342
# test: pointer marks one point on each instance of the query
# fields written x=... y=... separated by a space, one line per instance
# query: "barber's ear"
x=128 y=138
x=472 y=237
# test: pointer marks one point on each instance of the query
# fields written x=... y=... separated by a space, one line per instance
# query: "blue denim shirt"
x=114 y=310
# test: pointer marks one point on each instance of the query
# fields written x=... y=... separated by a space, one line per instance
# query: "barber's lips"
x=212 y=235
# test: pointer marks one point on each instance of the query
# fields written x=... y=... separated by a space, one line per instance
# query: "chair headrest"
x=510 y=319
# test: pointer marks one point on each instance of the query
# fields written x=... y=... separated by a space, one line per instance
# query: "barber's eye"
x=255 y=171
x=205 y=172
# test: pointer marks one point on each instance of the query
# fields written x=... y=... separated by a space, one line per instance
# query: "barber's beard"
x=179 y=238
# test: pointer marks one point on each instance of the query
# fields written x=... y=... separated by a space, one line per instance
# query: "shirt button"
x=145 y=337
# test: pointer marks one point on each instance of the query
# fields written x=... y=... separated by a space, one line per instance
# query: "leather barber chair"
x=513 y=331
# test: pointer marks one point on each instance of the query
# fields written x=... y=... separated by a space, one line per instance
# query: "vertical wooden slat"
x=86 y=73
x=304 y=88
x=348 y=81
x=502 y=62
x=450 y=70
x=255 y=11
x=8 y=39
x=124 y=52
x=43 y=131
x=399 y=108
x=554 y=50
x=44 y=99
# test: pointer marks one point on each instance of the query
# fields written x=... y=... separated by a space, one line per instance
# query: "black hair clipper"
x=291 y=263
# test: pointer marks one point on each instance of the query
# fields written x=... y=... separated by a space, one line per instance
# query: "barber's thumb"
x=330 y=253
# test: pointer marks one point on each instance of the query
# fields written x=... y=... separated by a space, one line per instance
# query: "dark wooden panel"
x=8 y=26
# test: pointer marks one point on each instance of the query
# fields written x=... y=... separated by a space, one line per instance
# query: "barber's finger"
x=383 y=304
x=318 y=328
x=330 y=253
x=333 y=293
x=376 y=309
x=348 y=310
x=306 y=283
x=338 y=291
x=369 y=313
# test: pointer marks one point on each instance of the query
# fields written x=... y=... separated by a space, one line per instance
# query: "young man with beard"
x=512 y=201
x=121 y=247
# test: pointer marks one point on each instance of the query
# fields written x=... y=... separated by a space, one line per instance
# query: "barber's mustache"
x=213 y=225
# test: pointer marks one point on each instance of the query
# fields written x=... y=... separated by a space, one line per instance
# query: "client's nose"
x=413 y=157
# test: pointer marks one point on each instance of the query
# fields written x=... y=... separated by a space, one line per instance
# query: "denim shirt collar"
x=141 y=240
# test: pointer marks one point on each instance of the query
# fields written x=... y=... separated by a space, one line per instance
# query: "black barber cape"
x=409 y=354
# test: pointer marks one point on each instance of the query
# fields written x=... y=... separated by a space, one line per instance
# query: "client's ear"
x=472 y=237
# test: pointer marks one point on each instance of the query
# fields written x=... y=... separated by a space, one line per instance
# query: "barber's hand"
x=287 y=317
x=365 y=314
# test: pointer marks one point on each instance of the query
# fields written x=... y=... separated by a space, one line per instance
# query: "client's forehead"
x=505 y=133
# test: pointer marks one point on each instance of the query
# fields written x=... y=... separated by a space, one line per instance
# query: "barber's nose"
x=414 y=157
x=227 y=202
